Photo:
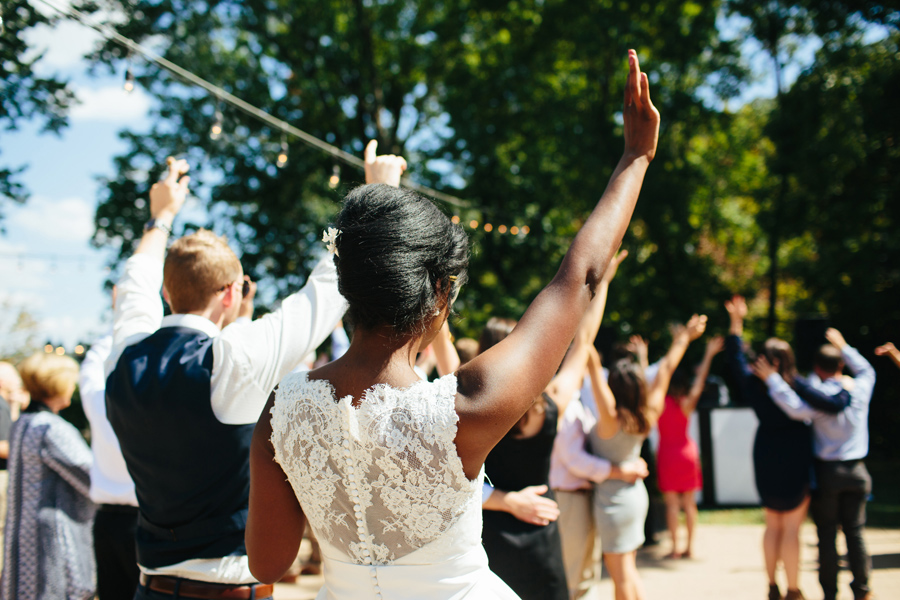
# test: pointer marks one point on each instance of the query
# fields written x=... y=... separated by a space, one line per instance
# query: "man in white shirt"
x=185 y=392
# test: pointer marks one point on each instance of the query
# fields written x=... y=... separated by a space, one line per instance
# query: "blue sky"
x=66 y=295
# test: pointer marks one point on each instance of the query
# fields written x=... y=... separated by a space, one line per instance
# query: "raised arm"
x=608 y=421
x=138 y=310
x=568 y=380
x=888 y=349
x=445 y=352
x=713 y=347
x=682 y=336
x=497 y=387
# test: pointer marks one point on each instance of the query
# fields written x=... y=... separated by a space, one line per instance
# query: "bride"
x=387 y=468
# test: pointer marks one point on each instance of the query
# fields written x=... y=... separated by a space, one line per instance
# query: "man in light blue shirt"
x=840 y=442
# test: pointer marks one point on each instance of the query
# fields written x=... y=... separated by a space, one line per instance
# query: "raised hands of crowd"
x=737 y=312
x=248 y=293
x=167 y=196
x=888 y=349
x=385 y=168
x=638 y=346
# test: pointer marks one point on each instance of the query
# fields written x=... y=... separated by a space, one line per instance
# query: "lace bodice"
x=381 y=483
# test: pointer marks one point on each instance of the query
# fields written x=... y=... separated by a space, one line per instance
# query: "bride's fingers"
x=635 y=79
x=645 y=91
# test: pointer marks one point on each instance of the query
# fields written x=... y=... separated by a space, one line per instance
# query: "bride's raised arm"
x=497 y=387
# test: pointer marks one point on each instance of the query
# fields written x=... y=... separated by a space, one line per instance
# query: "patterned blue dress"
x=48 y=549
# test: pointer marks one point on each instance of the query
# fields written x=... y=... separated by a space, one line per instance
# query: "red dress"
x=678 y=459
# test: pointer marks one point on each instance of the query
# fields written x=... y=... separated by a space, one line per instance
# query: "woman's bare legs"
x=623 y=571
x=690 y=516
x=790 y=542
x=772 y=542
x=673 y=509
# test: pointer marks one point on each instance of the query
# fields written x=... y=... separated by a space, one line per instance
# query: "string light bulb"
x=455 y=219
x=502 y=229
x=215 y=132
x=525 y=229
x=514 y=230
x=60 y=350
x=48 y=348
x=488 y=227
x=473 y=224
x=129 y=81
x=283 y=155
x=335 y=178
x=79 y=349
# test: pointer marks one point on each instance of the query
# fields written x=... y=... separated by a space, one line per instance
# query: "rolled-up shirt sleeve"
x=863 y=374
x=250 y=359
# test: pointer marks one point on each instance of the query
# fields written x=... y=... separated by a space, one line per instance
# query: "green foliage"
x=23 y=94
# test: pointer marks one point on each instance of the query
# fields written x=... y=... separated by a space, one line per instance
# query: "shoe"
x=794 y=595
x=774 y=594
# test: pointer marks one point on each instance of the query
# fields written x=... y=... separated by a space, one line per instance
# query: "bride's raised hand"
x=641 y=117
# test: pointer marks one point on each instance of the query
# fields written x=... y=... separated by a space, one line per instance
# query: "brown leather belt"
x=188 y=588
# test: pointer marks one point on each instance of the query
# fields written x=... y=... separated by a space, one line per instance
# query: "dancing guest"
x=573 y=470
x=628 y=410
x=528 y=555
x=186 y=391
x=389 y=467
x=47 y=550
x=841 y=443
x=678 y=458
x=782 y=451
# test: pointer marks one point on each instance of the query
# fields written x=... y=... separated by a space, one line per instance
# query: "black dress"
x=782 y=451
x=527 y=557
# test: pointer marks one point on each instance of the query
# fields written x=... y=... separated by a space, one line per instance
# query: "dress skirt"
x=465 y=576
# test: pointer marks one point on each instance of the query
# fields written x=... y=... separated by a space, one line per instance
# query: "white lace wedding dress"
x=384 y=490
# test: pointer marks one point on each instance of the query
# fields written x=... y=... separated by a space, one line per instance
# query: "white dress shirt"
x=249 y=359
x=110 y=481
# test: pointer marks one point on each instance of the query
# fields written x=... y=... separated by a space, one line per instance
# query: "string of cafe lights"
x=222 y=97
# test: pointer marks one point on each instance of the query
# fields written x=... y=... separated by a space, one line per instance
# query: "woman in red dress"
x=678 y=459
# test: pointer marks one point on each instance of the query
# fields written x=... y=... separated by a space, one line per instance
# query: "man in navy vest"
x=185 y=391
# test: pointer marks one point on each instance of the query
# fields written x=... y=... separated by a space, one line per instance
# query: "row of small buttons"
x=357 y=510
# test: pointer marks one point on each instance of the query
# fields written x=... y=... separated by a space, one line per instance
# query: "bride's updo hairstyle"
x=393 y=250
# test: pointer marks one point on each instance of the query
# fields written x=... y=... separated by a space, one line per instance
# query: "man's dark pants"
x=117 y=569
x=840 y=499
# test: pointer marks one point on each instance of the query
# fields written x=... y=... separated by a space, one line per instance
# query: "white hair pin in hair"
x=329 y=236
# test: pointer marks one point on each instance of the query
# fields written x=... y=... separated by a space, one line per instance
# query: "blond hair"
x=197 y=267
x=48 y=375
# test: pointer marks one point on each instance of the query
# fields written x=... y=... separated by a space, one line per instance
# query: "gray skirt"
x=620 y=510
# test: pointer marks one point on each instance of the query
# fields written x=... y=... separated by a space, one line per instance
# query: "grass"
x=882 y=511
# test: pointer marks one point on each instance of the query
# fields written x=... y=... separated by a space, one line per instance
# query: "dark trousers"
x=840 y=499
x=144 y=593
x=117 y=569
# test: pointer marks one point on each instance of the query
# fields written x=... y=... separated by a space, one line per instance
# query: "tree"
x=23 y=94
x=511 y=105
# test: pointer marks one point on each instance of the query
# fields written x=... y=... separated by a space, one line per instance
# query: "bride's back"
x=379 y=478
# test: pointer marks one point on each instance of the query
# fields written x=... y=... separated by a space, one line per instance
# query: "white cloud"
x=64 y=220
x=63 y=45
x=111 y=104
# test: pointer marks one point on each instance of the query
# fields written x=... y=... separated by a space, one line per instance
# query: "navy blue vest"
x=191 y=472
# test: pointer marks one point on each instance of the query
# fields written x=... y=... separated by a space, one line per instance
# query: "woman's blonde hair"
x=48 y=375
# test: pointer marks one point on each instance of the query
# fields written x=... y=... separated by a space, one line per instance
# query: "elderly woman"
x=48 y=546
